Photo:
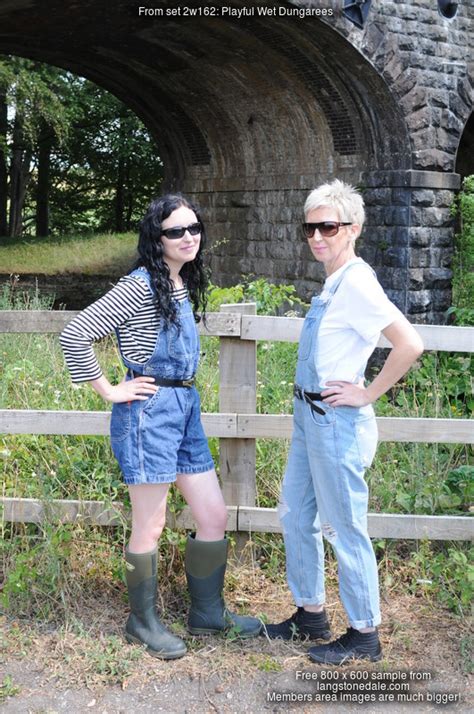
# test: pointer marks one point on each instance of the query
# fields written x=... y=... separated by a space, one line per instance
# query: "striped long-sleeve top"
x=128 y=308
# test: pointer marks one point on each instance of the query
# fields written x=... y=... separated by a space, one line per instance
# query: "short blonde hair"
x=339 y=195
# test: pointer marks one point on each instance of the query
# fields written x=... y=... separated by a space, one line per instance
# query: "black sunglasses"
x=328 y=229
x=178 y=232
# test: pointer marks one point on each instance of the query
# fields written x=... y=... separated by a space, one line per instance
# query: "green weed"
x=8 y=688
x=442 y=572
x=467 y=654
x=265 y=663
x=270 y=299
x=49 y=569
x=462 y=310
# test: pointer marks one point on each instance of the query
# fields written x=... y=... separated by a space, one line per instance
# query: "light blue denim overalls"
x=324 y=491
x=153 y=440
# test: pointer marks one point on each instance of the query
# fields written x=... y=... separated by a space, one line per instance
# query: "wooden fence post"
x=238 y=394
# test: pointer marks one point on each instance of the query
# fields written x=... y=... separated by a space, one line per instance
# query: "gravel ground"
x=196 y=695
x=86 y=666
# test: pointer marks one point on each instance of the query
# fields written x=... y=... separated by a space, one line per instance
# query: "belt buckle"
x=297 y=391
x=188 y=382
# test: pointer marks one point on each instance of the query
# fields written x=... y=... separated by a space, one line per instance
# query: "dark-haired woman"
x=156 y=430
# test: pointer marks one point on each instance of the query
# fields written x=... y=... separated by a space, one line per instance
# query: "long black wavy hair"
x=195 y=274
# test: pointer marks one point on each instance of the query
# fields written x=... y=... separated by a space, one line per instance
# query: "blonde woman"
x=324 y=493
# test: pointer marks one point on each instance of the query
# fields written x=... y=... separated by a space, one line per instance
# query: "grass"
x=91 y=254
x=8 y=688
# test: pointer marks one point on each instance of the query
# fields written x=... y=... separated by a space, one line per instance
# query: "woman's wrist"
x=371 y=394
x=103 y=387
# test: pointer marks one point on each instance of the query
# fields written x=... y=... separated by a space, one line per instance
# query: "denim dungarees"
x=324 y=491
x=153 y=440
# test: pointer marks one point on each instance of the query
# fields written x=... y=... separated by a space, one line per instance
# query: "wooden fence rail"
x=237 y=426
x=239 y=325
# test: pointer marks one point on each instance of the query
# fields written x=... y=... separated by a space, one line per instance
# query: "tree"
x=72 y=157
x=45 y=145
x=109 y=169
x=33 y=103
x=3 y=162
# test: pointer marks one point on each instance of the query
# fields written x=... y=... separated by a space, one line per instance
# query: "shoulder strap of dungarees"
x=144 y=275
x=340 y=278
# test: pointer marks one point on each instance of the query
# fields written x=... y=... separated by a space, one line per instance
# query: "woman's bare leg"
x=148 y=515
x=203 y=494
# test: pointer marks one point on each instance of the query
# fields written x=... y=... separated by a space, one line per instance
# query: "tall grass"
x=91 y=254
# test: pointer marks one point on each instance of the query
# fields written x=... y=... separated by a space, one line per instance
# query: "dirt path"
x=183 y=695
x=92 y=670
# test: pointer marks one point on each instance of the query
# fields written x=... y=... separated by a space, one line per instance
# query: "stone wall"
x=407 y=238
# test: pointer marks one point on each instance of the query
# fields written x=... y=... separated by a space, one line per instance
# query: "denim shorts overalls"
x=153 y=440
x=324 y=492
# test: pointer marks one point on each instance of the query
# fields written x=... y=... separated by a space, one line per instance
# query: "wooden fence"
x=237 y=425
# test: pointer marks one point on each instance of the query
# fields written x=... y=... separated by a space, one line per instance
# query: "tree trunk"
x=15 y=177
x=42 y=191
x=120 y=196
x=19 y=177
x=129 y=211
x=3 y=165
x=129 y=200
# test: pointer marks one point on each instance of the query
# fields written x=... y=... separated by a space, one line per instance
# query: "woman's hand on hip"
x=139 y=388
x=345 y=394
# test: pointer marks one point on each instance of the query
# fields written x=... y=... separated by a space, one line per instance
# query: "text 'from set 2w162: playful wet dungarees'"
x=153 y=440
x=324 y=491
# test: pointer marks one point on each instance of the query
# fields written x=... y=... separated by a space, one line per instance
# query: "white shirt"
x=351 y=326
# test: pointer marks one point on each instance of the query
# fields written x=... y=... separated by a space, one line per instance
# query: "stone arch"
x=235 y=104
x=299 y=108
x=251 y=112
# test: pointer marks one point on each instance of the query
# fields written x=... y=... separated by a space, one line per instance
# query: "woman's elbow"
x=69 y=334
x=416 y=346
x=64 y=337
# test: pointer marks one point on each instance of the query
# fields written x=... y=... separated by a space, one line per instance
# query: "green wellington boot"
x=205 y=569
x=143 y=625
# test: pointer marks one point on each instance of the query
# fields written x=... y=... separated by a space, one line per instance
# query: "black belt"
x=162 y=382
x=309 y=398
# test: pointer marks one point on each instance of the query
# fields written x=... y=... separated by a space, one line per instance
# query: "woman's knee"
x=151 y=530
x=215 y=514
x=297 y=515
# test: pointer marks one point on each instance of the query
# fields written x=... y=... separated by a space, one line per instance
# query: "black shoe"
x=352 y=645
x=302 y=624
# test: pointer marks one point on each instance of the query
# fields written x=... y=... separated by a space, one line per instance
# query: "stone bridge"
x=255 y=103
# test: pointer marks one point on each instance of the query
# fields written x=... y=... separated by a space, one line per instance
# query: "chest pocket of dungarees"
x=183 y=340
x=304 y=347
